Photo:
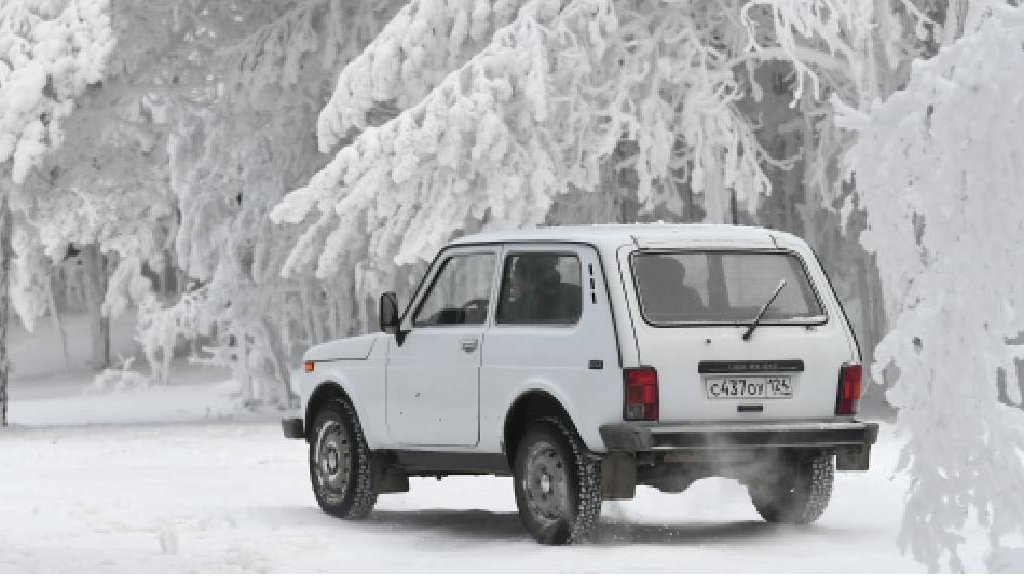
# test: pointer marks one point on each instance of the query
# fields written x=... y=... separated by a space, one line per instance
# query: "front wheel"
x=798 y=490
x=557 y=484
x=339 y=462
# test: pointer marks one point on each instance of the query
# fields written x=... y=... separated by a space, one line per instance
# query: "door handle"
x=469 y=345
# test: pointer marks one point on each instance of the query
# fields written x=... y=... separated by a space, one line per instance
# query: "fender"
x=537 y=386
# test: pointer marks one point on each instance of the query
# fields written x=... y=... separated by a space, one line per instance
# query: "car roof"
x=643 y=235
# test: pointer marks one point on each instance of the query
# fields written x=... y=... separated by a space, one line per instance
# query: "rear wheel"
x=798 y=491
x=339 y=462
x=557 y=484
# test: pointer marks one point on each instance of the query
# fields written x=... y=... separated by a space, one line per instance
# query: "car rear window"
x=723 y=287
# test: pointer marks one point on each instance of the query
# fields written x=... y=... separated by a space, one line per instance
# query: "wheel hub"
x=333 y=459
x=544 y=483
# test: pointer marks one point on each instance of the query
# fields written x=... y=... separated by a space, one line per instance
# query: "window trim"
x=501 y=285
x=817 y=320
x=433 y=273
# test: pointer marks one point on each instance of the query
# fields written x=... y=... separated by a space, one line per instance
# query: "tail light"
x=641 y=393
x=848 y=394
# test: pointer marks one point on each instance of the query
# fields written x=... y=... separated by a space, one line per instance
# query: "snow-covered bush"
x=118 y=379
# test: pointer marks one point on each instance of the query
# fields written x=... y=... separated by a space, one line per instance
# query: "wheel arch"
x=323 y=393
x=529 y=405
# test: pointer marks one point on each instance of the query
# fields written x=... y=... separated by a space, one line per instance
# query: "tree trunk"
x=278 y=390
x=58 y=326
x=6 y=232
x=96 y=290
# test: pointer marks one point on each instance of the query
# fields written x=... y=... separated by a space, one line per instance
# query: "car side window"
x=540 y=288
x=460 y=294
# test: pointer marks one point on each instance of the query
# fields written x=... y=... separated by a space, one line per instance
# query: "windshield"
x=723 y=287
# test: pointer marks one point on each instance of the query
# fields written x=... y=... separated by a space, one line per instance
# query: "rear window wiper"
x=757 y=319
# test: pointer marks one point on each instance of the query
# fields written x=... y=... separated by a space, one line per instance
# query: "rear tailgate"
x=787 y=370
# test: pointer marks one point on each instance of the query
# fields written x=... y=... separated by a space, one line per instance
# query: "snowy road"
x=229 y=497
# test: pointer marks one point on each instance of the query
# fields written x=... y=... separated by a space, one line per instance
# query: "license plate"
x=749 y=387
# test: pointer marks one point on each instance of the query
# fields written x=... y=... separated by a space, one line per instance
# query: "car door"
x=433 y=377
x=553 y=332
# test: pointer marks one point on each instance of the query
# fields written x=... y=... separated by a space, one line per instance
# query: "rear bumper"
x=293 y=428
x=712 y=436
x=670 y=456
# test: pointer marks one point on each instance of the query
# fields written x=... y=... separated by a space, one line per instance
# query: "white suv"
x=584 y=361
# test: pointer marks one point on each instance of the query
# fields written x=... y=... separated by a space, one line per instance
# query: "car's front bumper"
x=640 y=437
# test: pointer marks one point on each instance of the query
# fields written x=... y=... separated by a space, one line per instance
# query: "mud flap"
x=618 y=476
x=385 y=479
x=853 y=457
x=293 y=428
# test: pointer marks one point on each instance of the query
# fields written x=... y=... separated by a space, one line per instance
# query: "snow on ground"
x=234 y=496
x=48 y=387
x=89 y=483
x=68 y=399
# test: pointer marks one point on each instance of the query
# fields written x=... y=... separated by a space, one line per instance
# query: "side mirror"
x=389 y=321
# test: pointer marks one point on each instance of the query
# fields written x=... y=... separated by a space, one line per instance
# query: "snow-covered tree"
x=938 y=166
x=107 y=193
x=512 y=114
x=534 y=113
x=233 y=156
x=50 y=51
x=178 y=155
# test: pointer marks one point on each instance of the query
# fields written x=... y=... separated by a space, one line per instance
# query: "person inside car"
x=536 y=293
x=668 y=297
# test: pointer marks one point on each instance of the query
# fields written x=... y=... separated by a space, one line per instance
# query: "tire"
x=557 y=484
x=339 y=462
x=799 y=493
